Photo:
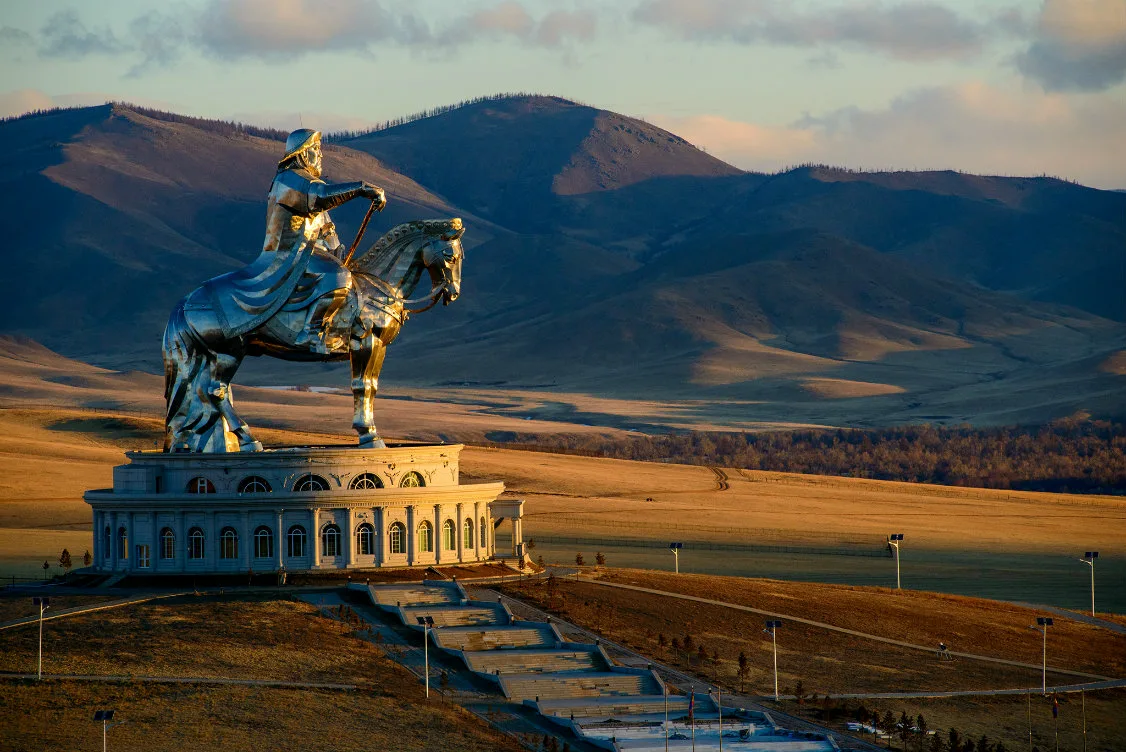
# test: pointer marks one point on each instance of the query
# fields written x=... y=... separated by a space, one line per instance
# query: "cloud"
x=64 y=35
x=512 y=20
x=911 y=30
x=971 y=127
x=11 y=36
x=1079 y=45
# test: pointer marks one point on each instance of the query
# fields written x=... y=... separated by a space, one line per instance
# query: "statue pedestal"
x=295 y=509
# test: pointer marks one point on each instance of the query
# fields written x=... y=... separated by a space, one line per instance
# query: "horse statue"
x=200 y=360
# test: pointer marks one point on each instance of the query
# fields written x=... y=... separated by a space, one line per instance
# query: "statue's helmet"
x=299 y=141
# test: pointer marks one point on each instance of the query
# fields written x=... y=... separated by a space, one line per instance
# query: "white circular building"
x=296 y=509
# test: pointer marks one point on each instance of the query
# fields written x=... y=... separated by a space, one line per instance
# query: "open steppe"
x=245 y=638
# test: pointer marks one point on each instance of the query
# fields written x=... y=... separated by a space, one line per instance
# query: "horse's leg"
x=367 y=352
x=224 y=369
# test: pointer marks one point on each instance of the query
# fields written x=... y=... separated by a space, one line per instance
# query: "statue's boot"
x=316 y=334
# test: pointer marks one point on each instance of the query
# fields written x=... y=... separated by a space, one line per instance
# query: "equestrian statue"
x=305 y=298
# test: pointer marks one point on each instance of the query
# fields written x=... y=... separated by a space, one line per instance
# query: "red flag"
x=691 y=706
x=1055 y=707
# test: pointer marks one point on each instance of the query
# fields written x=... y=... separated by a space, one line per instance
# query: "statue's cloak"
x=246 y=298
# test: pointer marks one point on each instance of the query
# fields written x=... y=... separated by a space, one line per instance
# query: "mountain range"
x=604 y=255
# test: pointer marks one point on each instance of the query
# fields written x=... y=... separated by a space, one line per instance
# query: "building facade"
x=296 y=509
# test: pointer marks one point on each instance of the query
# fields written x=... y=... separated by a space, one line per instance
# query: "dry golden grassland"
x=231 y=638
x=15 y=607
x=824 y=660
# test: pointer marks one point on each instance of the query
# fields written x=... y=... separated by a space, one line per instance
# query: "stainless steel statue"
x=302 y=299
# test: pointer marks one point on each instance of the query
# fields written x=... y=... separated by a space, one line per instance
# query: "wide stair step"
x=477 y=639
x=520 y=687
x=407 y=596
x=458 y=616
x=620 y=707
x=543 y=661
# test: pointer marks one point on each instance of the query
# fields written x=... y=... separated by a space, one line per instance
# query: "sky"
x=1009 y=87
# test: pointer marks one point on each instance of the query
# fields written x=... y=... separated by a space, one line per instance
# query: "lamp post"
x=105 y=716
x=771 y=628
x=44 y=604
x=1041 y=626
x=1089 y=560
x=675 y=548
x=427 y=623
x=894 y=540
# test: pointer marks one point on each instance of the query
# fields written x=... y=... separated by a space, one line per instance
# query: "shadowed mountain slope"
x=607 y=256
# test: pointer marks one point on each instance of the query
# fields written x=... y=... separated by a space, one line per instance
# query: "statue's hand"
x=375 y=193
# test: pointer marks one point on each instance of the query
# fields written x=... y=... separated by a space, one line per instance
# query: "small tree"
x=65 y=561
x=983 y=743
x=921 y=724
x=715 y=666
x=701 y=654
x=661 y=641
x=579 y=560
x=689 y=644
x=46 y=568
x=86 y=559
x=743 y=671
x=937 y=745
x=954 y=739
x=904 y=728
x=799 y=692
x=600 y=559
x=888 y=723
x=675 y=645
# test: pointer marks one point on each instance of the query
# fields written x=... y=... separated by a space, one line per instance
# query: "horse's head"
x=442 y=257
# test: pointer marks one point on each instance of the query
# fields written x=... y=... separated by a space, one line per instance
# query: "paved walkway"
x=1076 y=615
x=52 y=614
x=843 y=630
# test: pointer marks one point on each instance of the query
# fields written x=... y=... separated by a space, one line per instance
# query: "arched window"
x=467 y=532
x=395 y=536
x=411 y=480
x=484 y=539
x=254 y=485
x=330 y=540
x=263 y=543
x=449 y=538
x=200 y=485
x=310 y=483
x=195 y=543
x=365 y=481
x=296 y=538
x=228 y=543
x=167 y=544
x=365 y=540
x=122 y=543
x=425 y=537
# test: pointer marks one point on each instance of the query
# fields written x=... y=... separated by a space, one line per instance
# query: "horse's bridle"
x=433 y=296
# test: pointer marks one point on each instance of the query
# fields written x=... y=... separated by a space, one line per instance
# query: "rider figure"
x=300 y=265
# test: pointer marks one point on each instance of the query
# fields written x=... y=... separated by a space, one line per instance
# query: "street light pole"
x=1089 y=560
x=894 y=540
x=675 y=548
x=771 y=628
x=427 y=623
x=44 y=604
x=1041 y=626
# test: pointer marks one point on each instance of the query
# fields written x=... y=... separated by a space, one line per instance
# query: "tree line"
x=1070 y=456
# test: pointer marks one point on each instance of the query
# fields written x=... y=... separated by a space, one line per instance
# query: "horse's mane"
x=384 y=251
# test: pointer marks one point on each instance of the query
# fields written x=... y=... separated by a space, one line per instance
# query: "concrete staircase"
x=537 y=661
x=515 y=635
x=573 y=685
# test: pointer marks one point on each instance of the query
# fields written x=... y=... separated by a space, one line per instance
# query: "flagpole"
x=692 y=717
x=1029 y=720
x=666 y=717
x=719 y=705
x=1083 y=698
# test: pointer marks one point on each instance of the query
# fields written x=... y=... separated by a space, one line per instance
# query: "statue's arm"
x=325 y=196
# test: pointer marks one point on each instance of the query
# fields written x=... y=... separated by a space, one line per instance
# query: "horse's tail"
x=183 y=363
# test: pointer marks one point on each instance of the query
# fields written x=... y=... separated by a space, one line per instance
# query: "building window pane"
x=467 y=533
x=425 y=538
x=167 y=544
x=396 y=538
x=484 y=539
x=254 y=485
x=228 y=543
x=263 y=543
x=449 y=541
x=143 y=556
x=330 y=540
x=365 y=481
x=122 y=543
x=195 y=543
x=411 y=480
x=296 y=540
x=200 y=485
x=365 y=540
x=310 y=483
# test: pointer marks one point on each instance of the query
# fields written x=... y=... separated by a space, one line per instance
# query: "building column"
x=113 y=541
x=316 y=538
x=211 y=543
x=180 y=542
x=477 y=530
x=246 y=540
x=439 y=534
x=517 y=536
x=459 y=533
x=131 y=537
x=279 y=537
x=380 y=535
x=349 y=542
x=412 y=536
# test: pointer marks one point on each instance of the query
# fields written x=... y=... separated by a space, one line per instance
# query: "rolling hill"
x=609 y=256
